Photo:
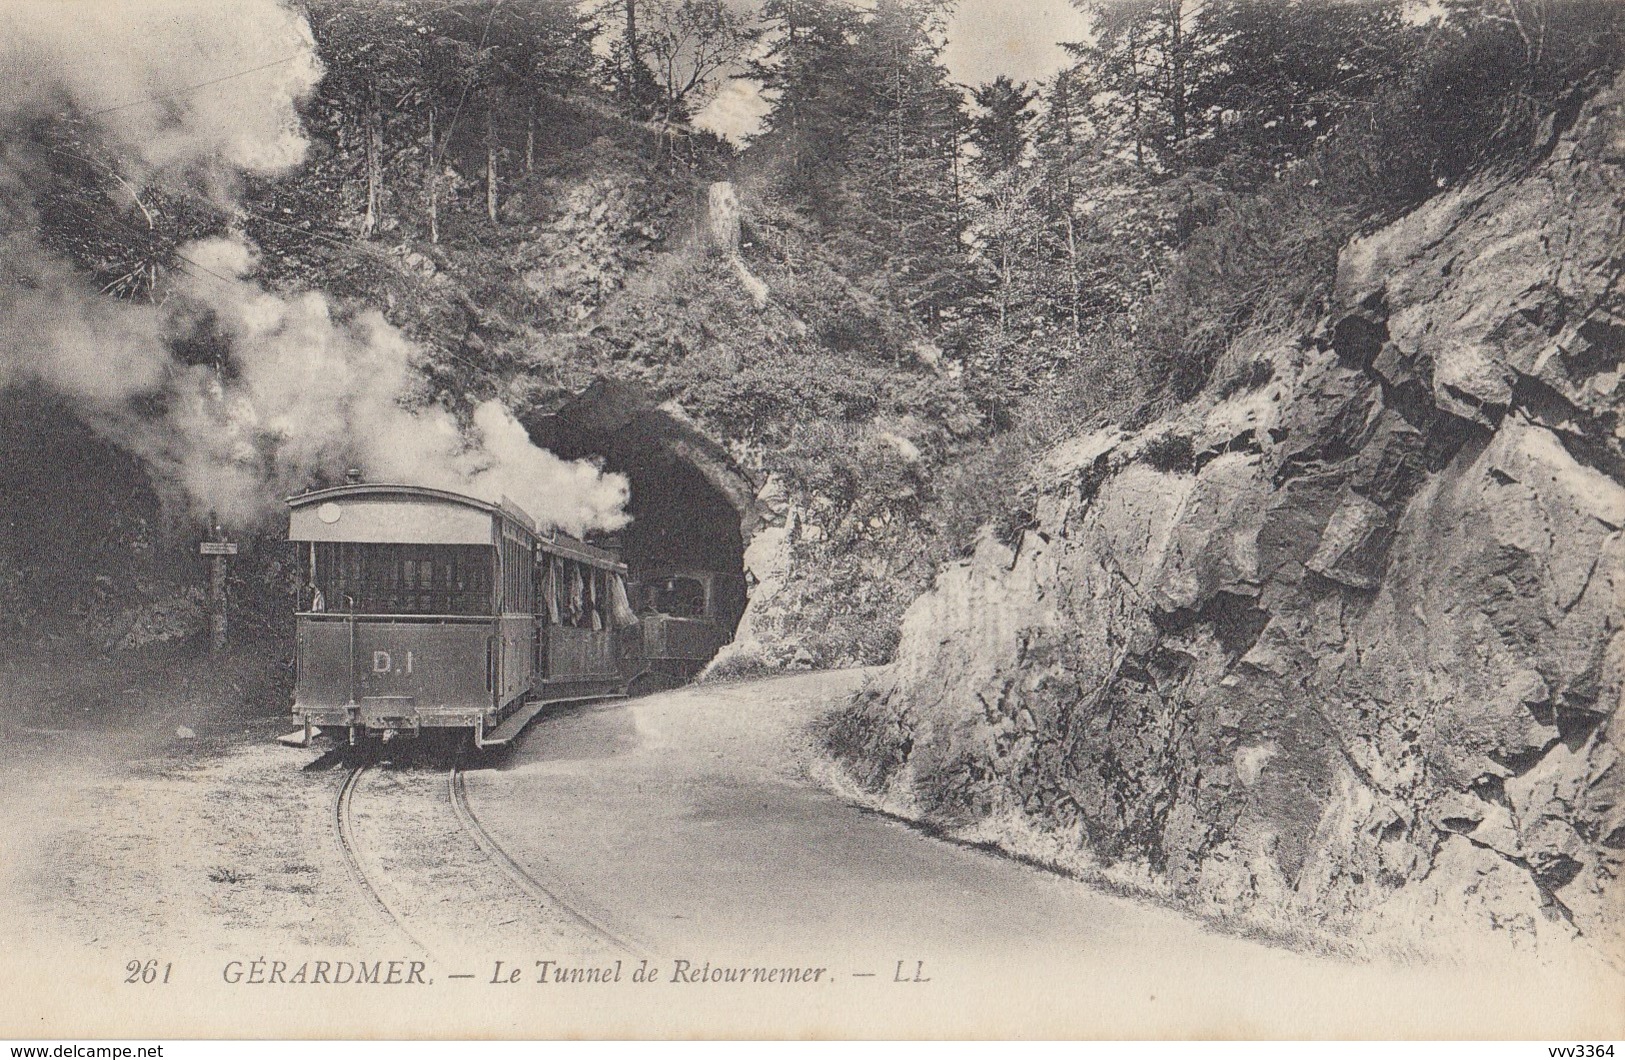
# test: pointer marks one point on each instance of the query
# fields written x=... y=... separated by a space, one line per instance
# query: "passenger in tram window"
x=544 y=590
x=681 y=598
x=620 y=608
x=318 y=602
x=578 y=611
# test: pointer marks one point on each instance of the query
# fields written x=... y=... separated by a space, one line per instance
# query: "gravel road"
x=684 y=835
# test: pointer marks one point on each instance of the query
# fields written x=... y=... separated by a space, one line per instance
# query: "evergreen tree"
x=865 y=137
x=905 y=158
x=1002 y=131
x=630 y=78
x=1146 y=61
x=1286 y=73
x=809 y=71
x=415 y=86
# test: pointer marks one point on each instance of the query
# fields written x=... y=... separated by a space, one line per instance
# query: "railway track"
x=456 y=793
x=344 y=832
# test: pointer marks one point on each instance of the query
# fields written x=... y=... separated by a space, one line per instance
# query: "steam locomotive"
x=427 y=610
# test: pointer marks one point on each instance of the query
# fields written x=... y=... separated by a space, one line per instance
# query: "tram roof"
x=553 y=541
x=361 y=489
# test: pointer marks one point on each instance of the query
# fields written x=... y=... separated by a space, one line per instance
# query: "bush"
x=1105 y=382
x=985 y=486
x=1250 y=375
x=1266 y=261
x=1170 y=453
x=738 y=662
x=867 y=740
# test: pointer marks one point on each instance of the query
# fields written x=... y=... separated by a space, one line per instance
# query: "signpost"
x=217 y=551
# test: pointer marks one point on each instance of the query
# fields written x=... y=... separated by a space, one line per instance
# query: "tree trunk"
x=1134 y=87
x=1072 y=263
x=1004 y=286
x=375 y=174
x=490 y=166
x=1063 y=92
x=433 y=184
x=530 y=140
x=1176 y=67
x=897 y=169
x=633 y=54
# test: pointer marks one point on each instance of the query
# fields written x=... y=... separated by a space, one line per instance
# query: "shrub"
x=985 y=486
x=1251 y=375
x=1492 y=86
x=1170 y=453
x=740 y=662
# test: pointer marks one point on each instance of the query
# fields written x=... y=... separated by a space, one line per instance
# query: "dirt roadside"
x=165 y=821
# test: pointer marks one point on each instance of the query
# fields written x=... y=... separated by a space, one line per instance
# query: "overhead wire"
x=445 y=141
x=189 y=89
x=119 y=219
x=188 y=264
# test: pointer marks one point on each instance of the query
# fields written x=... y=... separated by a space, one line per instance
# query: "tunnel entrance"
x=690 y=506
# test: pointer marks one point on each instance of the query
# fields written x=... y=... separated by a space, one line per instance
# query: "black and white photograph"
x=812 y=519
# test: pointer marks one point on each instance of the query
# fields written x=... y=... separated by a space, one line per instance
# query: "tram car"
x=428 y=610
x=684 y=616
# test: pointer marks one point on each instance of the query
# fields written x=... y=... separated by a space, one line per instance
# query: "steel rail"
x=349 y=851
x=457 y=792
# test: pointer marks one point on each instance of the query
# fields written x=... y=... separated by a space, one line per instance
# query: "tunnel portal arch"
x=692 y=506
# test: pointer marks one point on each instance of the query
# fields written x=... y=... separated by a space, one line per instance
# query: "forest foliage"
x=957 y=274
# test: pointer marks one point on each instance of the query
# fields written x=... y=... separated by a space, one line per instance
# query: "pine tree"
x=906 y=154
x=1146 y=60
x=1002 y=131
x=809 y=71
x=865 y=138
x=1287 y=73
x=410 y=80
x=630 y=78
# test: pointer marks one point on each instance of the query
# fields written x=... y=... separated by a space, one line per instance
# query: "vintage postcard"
x=812 y=519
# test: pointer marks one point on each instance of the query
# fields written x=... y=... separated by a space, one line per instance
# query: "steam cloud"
x=307 y=392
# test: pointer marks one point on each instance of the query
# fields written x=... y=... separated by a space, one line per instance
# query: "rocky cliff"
x=1343 y=648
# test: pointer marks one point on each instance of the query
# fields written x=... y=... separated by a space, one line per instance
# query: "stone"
x=1498 y=833
x=723 y=217
x=1358 y=660
x=1354 y=546
x=1555 y=851
x=1250 y=762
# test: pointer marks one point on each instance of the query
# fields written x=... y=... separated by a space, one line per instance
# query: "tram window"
x=402 y=579
x=575 y=596
x=549 y=571
x=598 y=600
x=680 y=597
x=518 y=577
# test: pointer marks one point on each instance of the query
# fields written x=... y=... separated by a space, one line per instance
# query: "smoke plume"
x=206 y=93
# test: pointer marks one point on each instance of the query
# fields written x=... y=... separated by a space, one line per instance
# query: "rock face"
x=722 y=231
x=1344 y=650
